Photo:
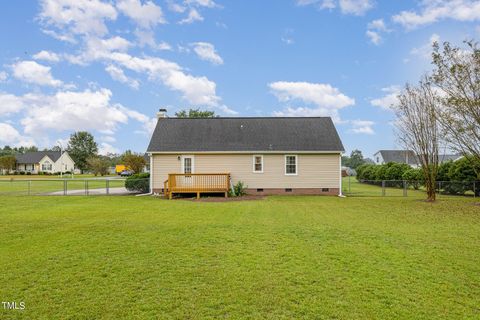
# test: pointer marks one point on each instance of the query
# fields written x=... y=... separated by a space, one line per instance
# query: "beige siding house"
x=44 y=161
x=269 y=155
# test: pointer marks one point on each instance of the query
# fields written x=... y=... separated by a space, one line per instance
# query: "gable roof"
x=399 y=156
x=245 y=134
x=35 y=157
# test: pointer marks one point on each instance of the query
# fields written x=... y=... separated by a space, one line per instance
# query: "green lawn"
x=281 y=257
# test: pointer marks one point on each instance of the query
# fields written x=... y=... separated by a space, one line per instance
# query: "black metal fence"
x=64 y=187
x=404 y=188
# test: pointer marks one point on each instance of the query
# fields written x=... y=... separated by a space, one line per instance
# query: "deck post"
x=198 y=195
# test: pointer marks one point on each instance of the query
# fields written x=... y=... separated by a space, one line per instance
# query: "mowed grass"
x=39 y=186
x=277 y=258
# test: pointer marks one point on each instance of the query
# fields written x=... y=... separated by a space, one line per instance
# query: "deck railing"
x=197 y=183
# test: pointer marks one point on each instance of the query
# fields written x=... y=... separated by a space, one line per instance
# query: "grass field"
x=281 y=257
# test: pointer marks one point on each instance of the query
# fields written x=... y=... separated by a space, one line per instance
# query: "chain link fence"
x=404 y=188
x=70 y=187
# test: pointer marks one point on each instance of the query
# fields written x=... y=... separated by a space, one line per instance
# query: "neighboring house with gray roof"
x=271 y=155
x=407 y=156
x=44 y=161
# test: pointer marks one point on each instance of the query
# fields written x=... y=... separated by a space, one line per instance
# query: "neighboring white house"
x=407 y=156
x=44 y=161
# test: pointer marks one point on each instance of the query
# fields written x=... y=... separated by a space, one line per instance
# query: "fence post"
x=86 y=187
x=108 y=187
x=404 y=188
x=29 y=186
x=64 y=187
x=349 y=190
x=474 y=189
x=383 y=188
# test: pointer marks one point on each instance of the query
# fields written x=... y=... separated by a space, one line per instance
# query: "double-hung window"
x=258 y=164
x=46 y=166
x=291 y=164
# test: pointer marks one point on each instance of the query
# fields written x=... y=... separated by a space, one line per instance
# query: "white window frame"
x=183 y=163
x=261 y=157
x=296 y=165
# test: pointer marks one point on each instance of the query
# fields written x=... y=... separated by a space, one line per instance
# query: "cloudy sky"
x=108 y=66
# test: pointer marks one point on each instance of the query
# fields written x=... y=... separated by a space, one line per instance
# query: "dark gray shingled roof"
x=245 y=134
x=35 y=157
x=399 y=156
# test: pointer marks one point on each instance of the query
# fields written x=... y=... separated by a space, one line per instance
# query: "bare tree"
x=457 y=75
x=417 y=128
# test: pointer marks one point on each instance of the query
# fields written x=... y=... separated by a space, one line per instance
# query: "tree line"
x=442 y=110
x=83 y=149
x=453 y=177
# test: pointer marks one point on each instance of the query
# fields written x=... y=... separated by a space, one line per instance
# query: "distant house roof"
x=35 y=157
x=399 y=156
x=245 y=134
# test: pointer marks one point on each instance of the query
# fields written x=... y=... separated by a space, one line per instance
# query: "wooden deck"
x=196 y=183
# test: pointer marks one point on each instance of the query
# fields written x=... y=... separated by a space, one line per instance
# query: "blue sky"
x=108 y=66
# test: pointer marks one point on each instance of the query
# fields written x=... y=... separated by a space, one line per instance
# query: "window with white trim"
x=258 y=164
x=291 y=165
x=46 y=166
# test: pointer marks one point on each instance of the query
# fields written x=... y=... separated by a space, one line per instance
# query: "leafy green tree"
x=136 y=162
x=195 y=113
x=356 y=159
x=414 y=177
x=7 y=163
x=82 y=146
x=98 y=165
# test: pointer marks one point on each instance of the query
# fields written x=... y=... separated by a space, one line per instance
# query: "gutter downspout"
x=340 y=194
x=151 y=173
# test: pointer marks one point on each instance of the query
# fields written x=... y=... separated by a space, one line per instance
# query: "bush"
x=414 y=177
x=239 y=189
x=22 y=173
x=15 y=173
x=138 y=182
x=29 y=173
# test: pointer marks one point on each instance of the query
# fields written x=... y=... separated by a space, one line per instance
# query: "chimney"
x=162 y=113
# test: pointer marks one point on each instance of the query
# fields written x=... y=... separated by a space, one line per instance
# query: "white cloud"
x=362 y=127
x=3 y=76
x=176 y=7
x=106 y=149
x=193 y=16
x=425 y=51
x=374 y=37
x=432 y=11
x=108 y=139
x=355 y=7
x=147 y=37
x=46 y=56
x=202 y=3
x=10 y=136
x=145 y=15
x=287 y=37
x=327 y=99
x=77 y=16
x=375 y=29
x=10 y=104
x=196 y=90
x=35 y=73
x=68 y=110
x=117 y=74
x=389 y=99
x=206 y=51
x=317 y=93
